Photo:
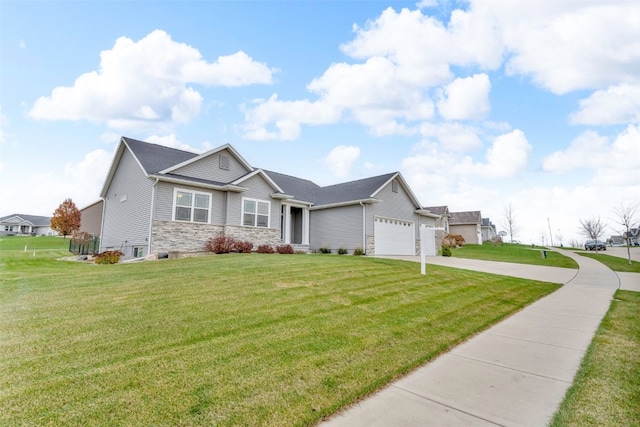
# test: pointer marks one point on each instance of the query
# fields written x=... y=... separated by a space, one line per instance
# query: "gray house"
x=467 y=224
x=159 y=199
x=26 y=224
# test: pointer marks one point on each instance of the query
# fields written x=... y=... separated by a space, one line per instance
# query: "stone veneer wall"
x=189 y=237
x=371 y=245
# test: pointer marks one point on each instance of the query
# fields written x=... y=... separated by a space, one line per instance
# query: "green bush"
x=445 y=251
x=108 y=257
x=358 y=252
x=342 y=251
x=324 y=250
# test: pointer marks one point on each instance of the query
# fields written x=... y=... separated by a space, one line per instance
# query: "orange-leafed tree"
x=66 y=219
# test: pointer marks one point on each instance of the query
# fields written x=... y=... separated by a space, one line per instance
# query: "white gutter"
x=364 y=227
x=153 y=202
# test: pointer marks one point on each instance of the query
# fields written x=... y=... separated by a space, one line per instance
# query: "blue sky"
x=479 y=104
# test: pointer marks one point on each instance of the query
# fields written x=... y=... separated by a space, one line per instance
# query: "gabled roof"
x=438 y=210
x=154 y=158
x=469 y=217
x=300 y=189
x=207 y=154
x=22 y=219
x=162 y=162
x=264 y=175
x=361 y=189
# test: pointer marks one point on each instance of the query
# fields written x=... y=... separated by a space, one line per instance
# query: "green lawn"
x=520 y=254
x=613 y=262
x=225 y=340
x=606 y=390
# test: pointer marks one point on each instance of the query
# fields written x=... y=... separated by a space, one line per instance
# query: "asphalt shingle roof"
x=41 y=221
x=155 y=158
x=469 y=217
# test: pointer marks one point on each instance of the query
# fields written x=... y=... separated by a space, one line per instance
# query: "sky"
x=479 y=104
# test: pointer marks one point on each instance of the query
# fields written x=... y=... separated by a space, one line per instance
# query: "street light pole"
x=550 y=236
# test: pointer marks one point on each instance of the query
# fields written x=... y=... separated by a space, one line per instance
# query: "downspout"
x=104 y=208
x=364 y=227
x=153 y=202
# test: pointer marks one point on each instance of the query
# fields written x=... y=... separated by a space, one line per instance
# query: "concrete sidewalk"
x=513 y=374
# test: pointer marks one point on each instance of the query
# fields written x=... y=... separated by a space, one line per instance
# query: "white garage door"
x=394 y=236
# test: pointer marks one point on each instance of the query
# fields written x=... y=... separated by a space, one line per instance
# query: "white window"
x=191 y=206
x=255 y=213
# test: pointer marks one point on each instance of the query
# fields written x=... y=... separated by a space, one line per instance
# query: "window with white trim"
x=191 y=206
x=255 y=213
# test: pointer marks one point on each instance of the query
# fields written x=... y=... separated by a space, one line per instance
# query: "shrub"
x=284 y=249
x=342 y=251
x=265 y=249
x=108 y=257
x=244 y=247
x=358 y=252
x=324 y=250
x=452 y=240
x=445 y=251
x=221 y=244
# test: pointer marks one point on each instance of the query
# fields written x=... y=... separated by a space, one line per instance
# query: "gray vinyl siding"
x=334 y=228
x=209 y=168
x=258 y=189
x=164 y=202
x=127 y=208
x=392 y=205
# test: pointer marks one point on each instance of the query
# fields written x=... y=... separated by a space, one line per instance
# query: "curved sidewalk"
x=514 y=374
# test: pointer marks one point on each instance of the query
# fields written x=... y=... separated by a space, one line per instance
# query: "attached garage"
x=394 y=236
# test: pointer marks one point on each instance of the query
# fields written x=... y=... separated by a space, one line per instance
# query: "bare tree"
x=509 y=222
x=592 y=228
x=626 y=216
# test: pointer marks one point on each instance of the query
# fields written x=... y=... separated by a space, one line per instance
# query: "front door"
x=295 y=225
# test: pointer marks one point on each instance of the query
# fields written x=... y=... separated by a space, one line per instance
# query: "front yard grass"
x=613 y=262
x=226 y=340
x=606 y=390
x=520 y=254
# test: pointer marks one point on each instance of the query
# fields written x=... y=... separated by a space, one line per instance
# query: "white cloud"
x=340 y=160
x=593 y=151
x=615 y=105
x=4 y=124
x=452 y=136
x=171 y=141
x=466 y=98
x=585 y=151
x=286 y=117
x=145 y=83
x=568 y=45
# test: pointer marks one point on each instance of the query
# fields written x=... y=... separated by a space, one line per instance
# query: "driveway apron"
x=514 y=374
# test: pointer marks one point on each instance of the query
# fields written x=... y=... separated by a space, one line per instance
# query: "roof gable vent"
x=224 y=162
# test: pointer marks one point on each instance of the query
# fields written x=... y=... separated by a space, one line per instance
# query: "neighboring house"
x=162 y=200
x=616 y=241
x=91 y=218
x=633 y=235
x=488 y=230
x=468 y=225
x=442 y=223
x=26 y=224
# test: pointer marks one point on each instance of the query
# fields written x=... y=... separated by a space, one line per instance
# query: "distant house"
x=633 y=235
x=442 y=223
x=616 y=241
x=159 y=199
x=91 y=218
x=21 y=224
x=468 y=225
x=488 y=230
